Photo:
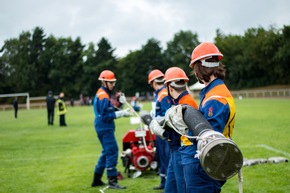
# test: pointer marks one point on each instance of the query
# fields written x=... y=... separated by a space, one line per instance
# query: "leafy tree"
x=128 y=73
x=281 y=59
x=105 y=59
x=232 y=58
x=66 y=65
x=15 y=59
x=35 y=63
x=97 y=60
x=46 y=61
x=75 y=69
x=178 y=51
x=7 y=68
x=249 y=58
x=37 y=46
x=90 y=78
x=135 y=67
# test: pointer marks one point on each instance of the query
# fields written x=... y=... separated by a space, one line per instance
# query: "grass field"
x=35 y=157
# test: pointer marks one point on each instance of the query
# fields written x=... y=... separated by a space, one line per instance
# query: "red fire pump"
x=138 y=145
x=138 y=151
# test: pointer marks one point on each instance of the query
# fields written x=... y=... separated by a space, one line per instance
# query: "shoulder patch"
x=210 y=112
x=102 y=94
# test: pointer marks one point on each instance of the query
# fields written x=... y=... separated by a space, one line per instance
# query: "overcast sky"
x=128 y=24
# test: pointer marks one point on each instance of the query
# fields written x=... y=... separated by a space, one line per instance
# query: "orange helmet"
x=154 y=74
x=107 y=75
x=204 y=51
x=175 y=74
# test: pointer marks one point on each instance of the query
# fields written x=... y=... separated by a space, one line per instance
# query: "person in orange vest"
x=161 y=103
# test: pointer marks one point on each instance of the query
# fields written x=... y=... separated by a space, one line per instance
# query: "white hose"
x=141 y=125
x=240 y=177
x=103 y=190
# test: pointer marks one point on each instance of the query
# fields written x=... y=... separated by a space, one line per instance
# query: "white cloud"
x=128 y=24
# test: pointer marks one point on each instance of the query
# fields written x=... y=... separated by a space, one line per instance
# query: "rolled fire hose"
x=219 y=156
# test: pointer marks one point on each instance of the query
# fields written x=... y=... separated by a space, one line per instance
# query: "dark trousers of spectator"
x=62 y=120
x=50 y=116
x=15 y=112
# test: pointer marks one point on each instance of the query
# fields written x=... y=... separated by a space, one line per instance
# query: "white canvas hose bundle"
x=220 y=157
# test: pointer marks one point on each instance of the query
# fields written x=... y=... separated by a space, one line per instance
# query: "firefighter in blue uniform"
x=176 y=83
x=161 y=103
x=217 y=106
x=105 y=128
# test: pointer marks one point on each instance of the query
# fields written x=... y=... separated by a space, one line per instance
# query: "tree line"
x=37 y=63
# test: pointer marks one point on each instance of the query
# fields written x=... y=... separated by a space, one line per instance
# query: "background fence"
x=262 y=93
x=39 y=102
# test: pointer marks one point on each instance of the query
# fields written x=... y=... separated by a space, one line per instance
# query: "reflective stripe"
x=211 y=97
x=161 y=95
x=229 y=127
x=102 y=93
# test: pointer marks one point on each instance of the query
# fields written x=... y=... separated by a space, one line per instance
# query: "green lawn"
x=38 y=158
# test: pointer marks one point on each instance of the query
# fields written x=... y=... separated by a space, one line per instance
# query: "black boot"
x=113 y=183
x=97 y=180
x=162 y=184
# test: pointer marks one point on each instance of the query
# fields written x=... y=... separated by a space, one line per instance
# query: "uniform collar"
x=106 y=90
x=212 y=84
x=176 y=101
x=158 y=90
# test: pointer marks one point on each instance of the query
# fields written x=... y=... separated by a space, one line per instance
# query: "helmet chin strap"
x=168 y=90
x=200 y=81
x=107 y=86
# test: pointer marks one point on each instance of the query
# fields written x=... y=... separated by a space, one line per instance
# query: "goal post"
x=18 y=94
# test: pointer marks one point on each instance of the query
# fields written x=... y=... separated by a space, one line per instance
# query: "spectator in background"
x=61 y=110
x=15 y=106
x=50 y=102
x=81 y=99
x=135 y=105
x=72 y=102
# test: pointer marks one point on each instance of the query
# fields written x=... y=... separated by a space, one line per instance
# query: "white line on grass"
x=273 y=149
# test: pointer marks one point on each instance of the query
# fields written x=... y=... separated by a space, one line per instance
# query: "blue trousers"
x=163 y=155
x=109 y=157
x=175 y=182
x=197 y=180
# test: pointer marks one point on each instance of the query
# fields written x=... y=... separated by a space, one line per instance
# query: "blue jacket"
x=173 y=137
x=104 y=110
x=216 y=104
x=162 y=100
